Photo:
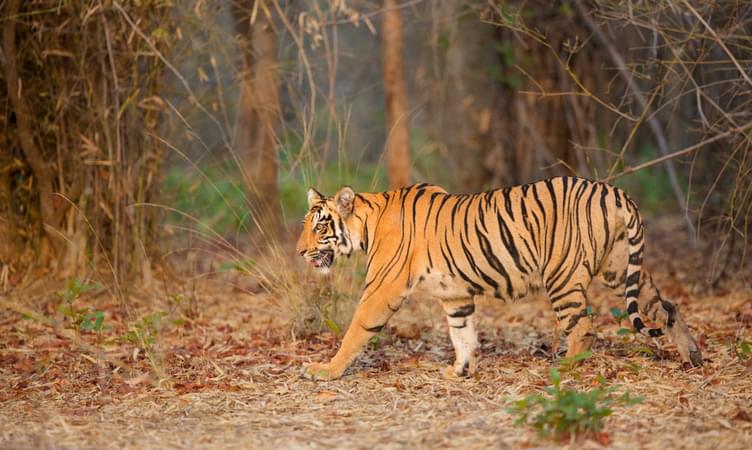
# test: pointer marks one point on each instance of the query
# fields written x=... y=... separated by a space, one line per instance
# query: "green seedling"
x=743 y=349
x=569 y=365
x=145 y=332
x=79 y=318
x=559 y=412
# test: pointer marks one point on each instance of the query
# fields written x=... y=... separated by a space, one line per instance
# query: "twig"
x=645 y=106
x=175 y=71
x=678 y=153
x=720 y=42
x=372 y=13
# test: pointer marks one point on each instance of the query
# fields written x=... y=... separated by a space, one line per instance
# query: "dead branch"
x=652 y=120
x=719 y=41
x=678 y=153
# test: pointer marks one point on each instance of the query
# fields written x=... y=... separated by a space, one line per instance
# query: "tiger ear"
x=344 y=200
x=314 y=197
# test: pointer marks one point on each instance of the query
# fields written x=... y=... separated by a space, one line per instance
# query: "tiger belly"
x=446 y=286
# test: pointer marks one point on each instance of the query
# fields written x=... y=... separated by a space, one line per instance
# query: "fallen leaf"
x=326 y=396
x=742 y=415
x=143 y=378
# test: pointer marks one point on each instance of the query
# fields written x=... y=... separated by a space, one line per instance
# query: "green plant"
x=634 y=349
x=569 y=365
x=620 y=316
x=326 y=301
x=213 y=194
x=375 y=342
x=79 y=318
x=560 y=412
x=144 y=333
x=743 y=349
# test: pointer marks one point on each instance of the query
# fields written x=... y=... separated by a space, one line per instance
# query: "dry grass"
x=232 y=377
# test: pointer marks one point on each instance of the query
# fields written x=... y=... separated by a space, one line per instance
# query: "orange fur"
x=555 y=235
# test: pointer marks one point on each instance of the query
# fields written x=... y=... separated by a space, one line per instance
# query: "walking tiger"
x=555 y=235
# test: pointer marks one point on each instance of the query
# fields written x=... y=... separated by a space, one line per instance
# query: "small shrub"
x=145 y=332
x=561 y=412
x=568 y=366
x=743 y=350
x=79 y=318
x=619 y=315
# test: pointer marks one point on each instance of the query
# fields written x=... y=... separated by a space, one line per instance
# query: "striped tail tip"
x=640 y=327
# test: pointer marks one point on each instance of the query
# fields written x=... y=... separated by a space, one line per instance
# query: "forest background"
x=155 y=154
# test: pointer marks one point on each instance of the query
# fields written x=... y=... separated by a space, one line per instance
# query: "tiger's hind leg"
x=460 y=316
x=570 y=306
x=651 y=305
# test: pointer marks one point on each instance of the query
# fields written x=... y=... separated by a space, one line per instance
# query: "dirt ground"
x=230 y=376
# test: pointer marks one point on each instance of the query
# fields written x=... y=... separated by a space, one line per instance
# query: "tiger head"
x=326 y=231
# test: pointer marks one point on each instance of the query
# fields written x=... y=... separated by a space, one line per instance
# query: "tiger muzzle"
x=322 y=258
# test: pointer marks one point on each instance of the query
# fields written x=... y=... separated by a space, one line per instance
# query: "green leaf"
x=624 y=331
x=332 y=325
x=92 y=321
x=582 y=356
x=555 y=376
x=618 y=314
x=745 y=349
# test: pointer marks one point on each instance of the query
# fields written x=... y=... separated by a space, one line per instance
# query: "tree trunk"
x=31 y=151
x=398 y=135
x=258 y=114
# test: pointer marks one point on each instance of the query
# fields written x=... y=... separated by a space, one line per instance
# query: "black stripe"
x=508 y=240
x=635 y=258
x=633 y=279
x=438 y=212
x=431 y=201
x=508 y=202
x=473 y=265
x=415 y=202
x=493 y=261
x=463 y=311
x=567 y=305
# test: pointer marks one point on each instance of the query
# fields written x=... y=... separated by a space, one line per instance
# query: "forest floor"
x=229 y=377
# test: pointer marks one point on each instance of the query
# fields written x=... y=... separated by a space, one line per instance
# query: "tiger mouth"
x=323 y=258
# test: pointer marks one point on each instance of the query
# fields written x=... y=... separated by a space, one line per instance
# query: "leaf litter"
x=231 y=377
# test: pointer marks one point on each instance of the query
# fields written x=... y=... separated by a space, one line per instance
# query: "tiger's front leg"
x=371 y=315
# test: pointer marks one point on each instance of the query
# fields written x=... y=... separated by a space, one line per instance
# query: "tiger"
x=552 y=236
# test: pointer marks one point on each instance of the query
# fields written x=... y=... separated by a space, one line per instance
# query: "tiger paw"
x=456 y=372
x=319 y=372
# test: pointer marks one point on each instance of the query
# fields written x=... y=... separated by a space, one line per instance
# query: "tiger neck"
x=367 y=208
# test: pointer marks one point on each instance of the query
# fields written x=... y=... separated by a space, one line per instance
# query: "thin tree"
x=258 y=111
x=398 y=134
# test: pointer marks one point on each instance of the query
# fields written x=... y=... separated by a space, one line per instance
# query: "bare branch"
x=678 y=153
